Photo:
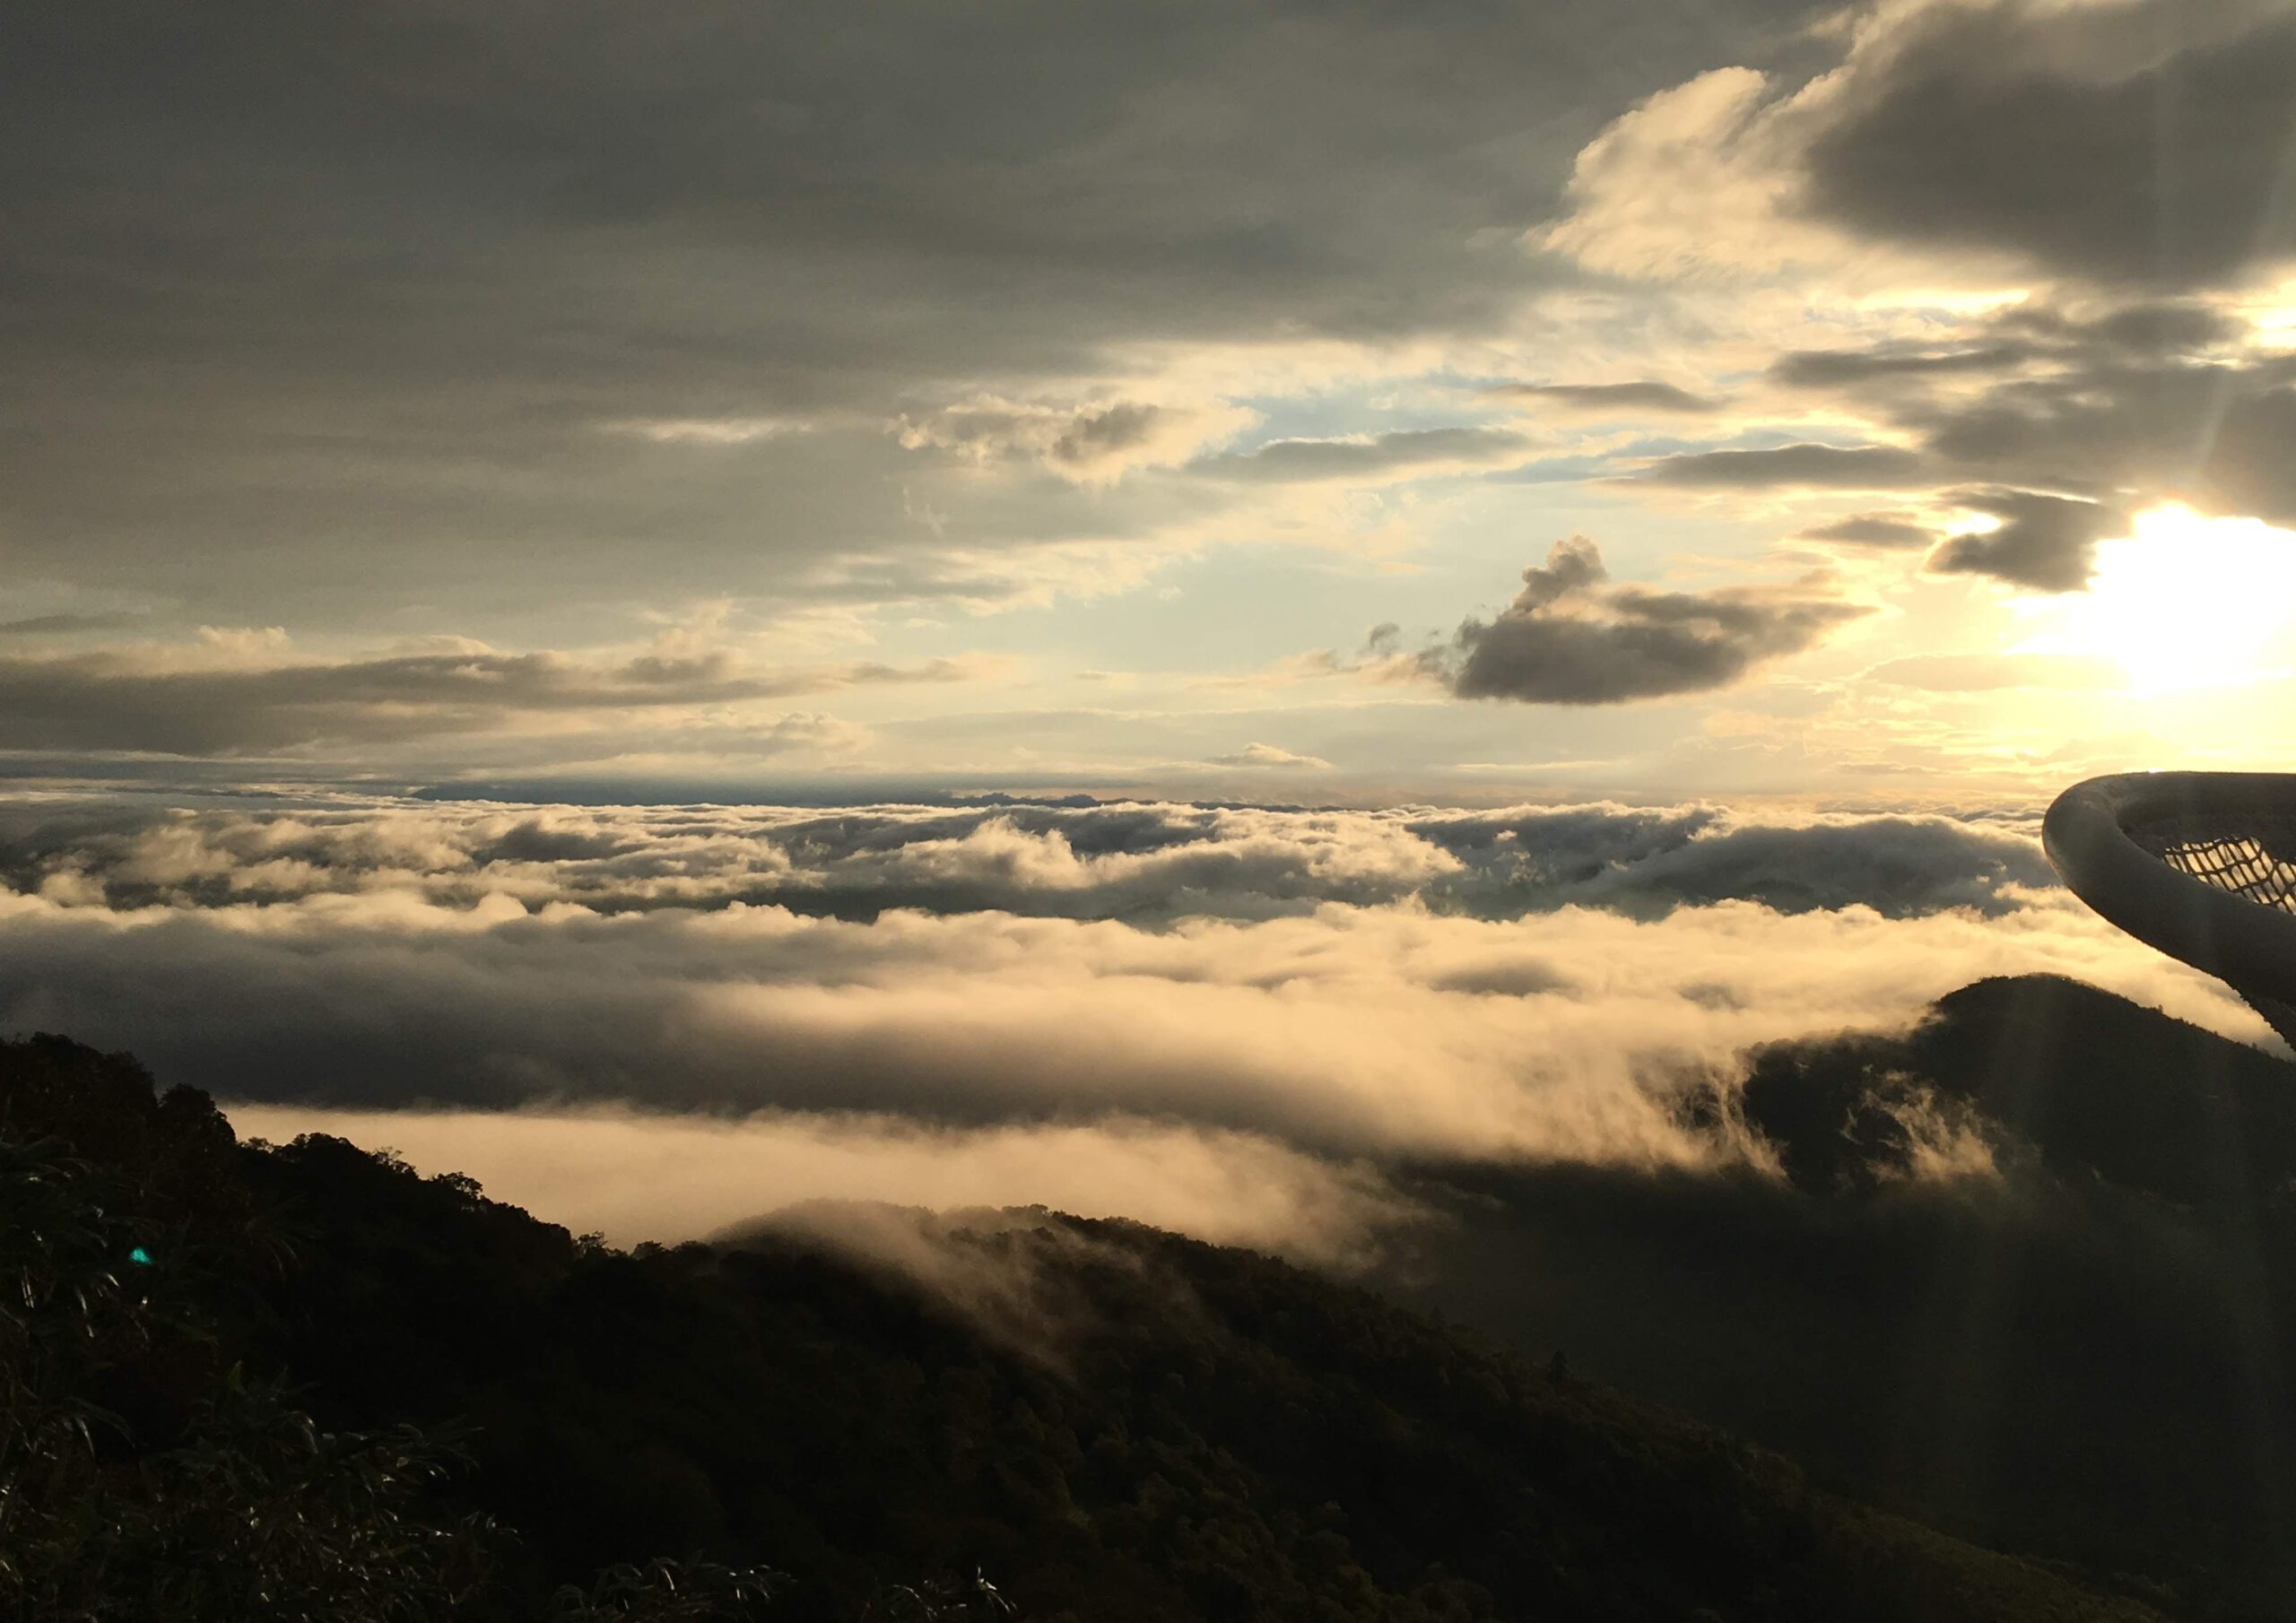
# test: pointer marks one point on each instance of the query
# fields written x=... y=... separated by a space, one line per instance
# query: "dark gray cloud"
x=57 y=625
x=2131 y=405
x=1096 y=436
x=1572 y=565
x=2138 y=159
x=1807 y=466
x=1233 y=968
x=1829 y=368
x=1146 y=863
x=2117 y=404
x=1644 y=396
x=106 y=702
x=2167 y=327
x=1567 y=639
x=2043 y=543
x=1873 y=530
x=1308 y=459
x=301 y=297
x=2145 y=149
x=2213 y=434
x=2023 y=337
x=1902 y=867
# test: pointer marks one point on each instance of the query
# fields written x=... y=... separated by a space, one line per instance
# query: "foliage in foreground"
x=218 y=1498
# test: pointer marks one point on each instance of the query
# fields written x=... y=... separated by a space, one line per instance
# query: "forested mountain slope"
x=1112 y=1423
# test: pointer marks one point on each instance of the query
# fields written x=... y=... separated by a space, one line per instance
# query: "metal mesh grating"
x=2249 y=854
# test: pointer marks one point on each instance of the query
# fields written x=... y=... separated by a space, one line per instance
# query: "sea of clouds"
x=1236 y=1021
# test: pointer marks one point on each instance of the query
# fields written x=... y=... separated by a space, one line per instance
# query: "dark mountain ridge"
x=2030 y=1275
x=2096 y=1084
x=1113 y=1422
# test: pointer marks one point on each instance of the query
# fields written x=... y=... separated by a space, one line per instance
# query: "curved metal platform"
x=2200 y=864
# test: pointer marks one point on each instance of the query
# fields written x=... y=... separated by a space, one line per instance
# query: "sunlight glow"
x=2184 y=601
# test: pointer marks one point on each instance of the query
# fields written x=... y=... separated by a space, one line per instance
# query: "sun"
x=2183 y=601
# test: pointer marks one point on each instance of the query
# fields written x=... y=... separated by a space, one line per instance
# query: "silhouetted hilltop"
x=2031 y=1276
x=2094 y=1084
x=1112 y=1422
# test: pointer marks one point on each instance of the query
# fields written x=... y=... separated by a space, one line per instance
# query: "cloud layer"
x=2144 y=149
x=1132 y=987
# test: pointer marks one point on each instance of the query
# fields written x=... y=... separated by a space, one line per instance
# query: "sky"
x=1150 y=607
x=1329 y=404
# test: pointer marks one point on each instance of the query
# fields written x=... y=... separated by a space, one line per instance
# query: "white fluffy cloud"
x=636 y=1177
x=1572 y=637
